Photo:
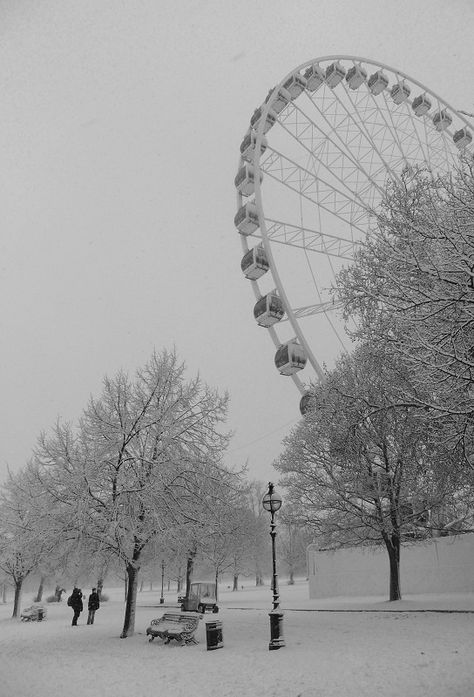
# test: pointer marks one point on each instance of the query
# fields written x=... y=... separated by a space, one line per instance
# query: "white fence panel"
x=439 y=565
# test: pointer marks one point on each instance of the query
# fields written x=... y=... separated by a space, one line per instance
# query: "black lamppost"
x=162 y=600
x=272 y=503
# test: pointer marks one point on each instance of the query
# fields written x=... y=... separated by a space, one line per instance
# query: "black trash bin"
x=214 y=635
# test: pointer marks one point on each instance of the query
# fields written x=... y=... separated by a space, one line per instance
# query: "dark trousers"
x=90 y=618
x=76 y=617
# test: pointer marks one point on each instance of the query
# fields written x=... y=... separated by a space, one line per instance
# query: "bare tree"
x=27 y=539
x=412 y=286
x=259 y=535
x=293 y=540
x=360 y=471
x=130 y=470
x=229 y=540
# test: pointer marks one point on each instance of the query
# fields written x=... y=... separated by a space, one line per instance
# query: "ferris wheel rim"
x=370 y=61
x=265 y=241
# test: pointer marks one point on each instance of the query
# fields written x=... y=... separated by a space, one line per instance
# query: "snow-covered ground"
x=334 y=648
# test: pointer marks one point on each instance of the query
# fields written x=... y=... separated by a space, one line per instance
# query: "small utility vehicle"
x=202 y=597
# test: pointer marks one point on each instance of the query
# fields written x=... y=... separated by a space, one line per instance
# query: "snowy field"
x=334 y=648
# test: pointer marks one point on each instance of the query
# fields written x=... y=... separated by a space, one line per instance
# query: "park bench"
x=179 y=626
x=35 y=613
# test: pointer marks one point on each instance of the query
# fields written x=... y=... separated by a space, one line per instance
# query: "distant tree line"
x=138 y=479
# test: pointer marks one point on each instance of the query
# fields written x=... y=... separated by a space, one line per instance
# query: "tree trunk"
x=100 y=586
x=130 y=601
x=216 y=582
x=189 y=570
x=235 y=585
x=39 y=595
x=179 y=580
x=141 y=586
x=291 y=580
x=17 y=599
x=392 y=543
x=4 y=593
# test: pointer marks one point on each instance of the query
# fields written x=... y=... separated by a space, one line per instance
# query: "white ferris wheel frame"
x=265 y=239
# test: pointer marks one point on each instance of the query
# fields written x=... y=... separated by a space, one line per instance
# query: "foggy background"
x=119 y=142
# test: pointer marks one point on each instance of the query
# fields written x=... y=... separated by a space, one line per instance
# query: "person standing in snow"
x=93 y=604
x=75 y=601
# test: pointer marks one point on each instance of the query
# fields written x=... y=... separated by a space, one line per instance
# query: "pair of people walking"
x=75 y=601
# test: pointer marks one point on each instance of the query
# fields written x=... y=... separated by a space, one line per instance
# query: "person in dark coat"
x=93 y=604
x=75 y=601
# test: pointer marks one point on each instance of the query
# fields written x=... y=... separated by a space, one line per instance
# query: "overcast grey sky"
x=121 y=124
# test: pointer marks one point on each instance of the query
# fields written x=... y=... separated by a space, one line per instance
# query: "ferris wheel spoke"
x=381 y=132
x=316 y=309
x=365 y=135
x=303 y=129
x=314 y=189
x=397 y=130
x=357 y=136
x=407 y=127
x=311 y=240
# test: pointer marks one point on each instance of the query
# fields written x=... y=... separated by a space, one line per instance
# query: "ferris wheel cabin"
x=268 y=310
x=246 y=219
x=377 y=82
x=314 y=77
x=245 y=180
x=248 y=145
x=421 y=105
x=462 y=138
x=290 y=358
x=255 y=263
x=295 y=85
x=334 y=74
x=280 y=101
x=356 y=76
x=400 y=92
x=442 y=120
x=257 y=116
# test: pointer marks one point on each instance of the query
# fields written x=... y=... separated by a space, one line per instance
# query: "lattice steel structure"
x=314 y=165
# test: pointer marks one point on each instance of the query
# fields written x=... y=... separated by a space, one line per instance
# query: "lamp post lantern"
x=272 y=503
x=162 y=600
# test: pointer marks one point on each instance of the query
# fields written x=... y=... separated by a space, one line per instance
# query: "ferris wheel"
x=314 y=165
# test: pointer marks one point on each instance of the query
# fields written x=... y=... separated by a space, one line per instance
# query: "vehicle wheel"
x=215 y=609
